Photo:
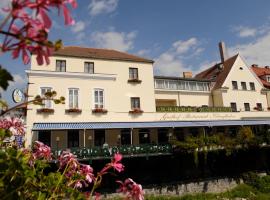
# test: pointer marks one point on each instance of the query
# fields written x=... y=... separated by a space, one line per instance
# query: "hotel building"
x=114 y=100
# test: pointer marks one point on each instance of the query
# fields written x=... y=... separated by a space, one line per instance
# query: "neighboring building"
x=113 y=98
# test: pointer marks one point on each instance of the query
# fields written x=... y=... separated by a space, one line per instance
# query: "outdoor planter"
x=45 y=110
x=73 y=110
x=99 y=110
x=136 y=111
x=135 y=80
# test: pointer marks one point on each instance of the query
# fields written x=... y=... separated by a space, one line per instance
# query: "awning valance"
x=156 y=124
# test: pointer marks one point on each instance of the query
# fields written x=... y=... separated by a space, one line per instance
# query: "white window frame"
x=267 y=78
x=98 y=103
x=87 y=66
x=48 y=89
x=73 y=99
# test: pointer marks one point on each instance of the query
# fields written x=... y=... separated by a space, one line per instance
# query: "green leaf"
x=5 y=76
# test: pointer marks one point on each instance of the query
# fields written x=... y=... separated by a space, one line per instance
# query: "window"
x=73 y=138
x=45 y=137
x=135 y=103
x=89 y=67
x=46 y=103
x=259 y=106
x=99 y=98
x=243 y=85
x=73 y=96
x=268 y=78
x=234 y=107
x=234 y=85
x=252 y=86
x=125 y=137
x=133 y=73
x=144 y=136
x=60 y=65
x=247 y=106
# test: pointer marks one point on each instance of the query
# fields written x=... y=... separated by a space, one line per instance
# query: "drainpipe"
x=178 y=98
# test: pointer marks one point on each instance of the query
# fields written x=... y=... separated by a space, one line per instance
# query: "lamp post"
x=57 y=144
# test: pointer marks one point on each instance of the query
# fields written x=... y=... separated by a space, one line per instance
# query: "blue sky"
x=180 y=35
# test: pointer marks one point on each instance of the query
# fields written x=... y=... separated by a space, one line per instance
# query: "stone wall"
x=209 y=186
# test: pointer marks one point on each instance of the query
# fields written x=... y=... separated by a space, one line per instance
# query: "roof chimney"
x=187 y=74
x=222 y=51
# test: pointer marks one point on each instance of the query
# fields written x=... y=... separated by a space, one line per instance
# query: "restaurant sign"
x=197 y=116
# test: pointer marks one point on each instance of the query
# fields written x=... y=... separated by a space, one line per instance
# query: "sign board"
x=17 y=96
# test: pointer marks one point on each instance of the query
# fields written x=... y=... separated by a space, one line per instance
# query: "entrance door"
x=73 y=138
x=45 y=137
x=163 y=136
x=99 y=137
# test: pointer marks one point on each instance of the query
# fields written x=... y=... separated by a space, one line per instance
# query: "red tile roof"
x=261 y=72
x=107 y=54
x=216 y=74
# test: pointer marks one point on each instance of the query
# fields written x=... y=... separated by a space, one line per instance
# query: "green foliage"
x=262 y=184
x=245 y=135
x=19 y=180
x=5 y=77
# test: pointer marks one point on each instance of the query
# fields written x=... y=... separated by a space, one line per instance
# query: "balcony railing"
x=192 y=109
x=126 y=151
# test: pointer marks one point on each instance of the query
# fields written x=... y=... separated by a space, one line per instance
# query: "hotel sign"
x=197 y=116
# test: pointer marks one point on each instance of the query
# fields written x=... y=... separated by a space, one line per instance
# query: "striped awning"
x=156 y=124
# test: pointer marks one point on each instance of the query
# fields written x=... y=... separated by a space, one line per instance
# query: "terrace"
x=98 y=152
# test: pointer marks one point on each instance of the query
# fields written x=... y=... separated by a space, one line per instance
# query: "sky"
x=179 y=35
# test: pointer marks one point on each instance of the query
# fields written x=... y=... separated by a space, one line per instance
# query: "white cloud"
x=243 y=31
x=143 y=52
x=256 y=51
x=4 y=4
x=114 y=40
x=172 y=61
x=79 y=26
x=97 y=7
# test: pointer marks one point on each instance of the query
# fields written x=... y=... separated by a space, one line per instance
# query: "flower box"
x=99 y=110
x=73 y=110
x=135 y=80
x=45 y=110
x=136 y=111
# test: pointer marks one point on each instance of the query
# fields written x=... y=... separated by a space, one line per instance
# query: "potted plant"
x=45 y=110
x=73 y=110
x=99 y=110
x=136 y=111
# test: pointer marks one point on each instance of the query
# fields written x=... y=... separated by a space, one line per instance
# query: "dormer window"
x=60 y=65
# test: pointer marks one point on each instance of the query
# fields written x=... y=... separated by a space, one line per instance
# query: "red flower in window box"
x=73 y=110
x=136 y=111
x=45 y=110
x=99 y=110
x=134 y=80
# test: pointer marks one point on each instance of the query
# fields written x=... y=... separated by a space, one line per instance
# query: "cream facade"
x=125 y=104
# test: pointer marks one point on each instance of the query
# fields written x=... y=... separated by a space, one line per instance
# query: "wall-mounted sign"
x=17 y=96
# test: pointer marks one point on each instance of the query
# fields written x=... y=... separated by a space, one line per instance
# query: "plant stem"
x=5 y=20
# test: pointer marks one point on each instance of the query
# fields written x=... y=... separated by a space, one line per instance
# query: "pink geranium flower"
x=131 y=189
x=41 y=151
x=67 y=159
x=87 y=172
x=115 y=163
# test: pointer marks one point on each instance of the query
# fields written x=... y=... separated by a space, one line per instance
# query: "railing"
x=126 y=151
x=192 y=109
